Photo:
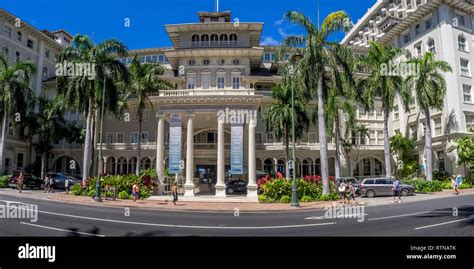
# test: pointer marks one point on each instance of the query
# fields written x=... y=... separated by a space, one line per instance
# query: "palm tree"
x=403 y=147
x=384 y=85
x=144 y=81
x=278 y=116
x=464 y=148
x=83 y=90
x=47 y=122
x=430 y=89
x=349 y=143
x=320 y=58
x=15 y=95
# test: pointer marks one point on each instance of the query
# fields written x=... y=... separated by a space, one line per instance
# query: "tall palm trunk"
x=323 y=144
x=139 y=146
x=428 y=146
x=386 y=145
x=337 y=136
x=43 y=164
x=3 y=142
x=87 y=142
x=287 y=153
x=94 y=133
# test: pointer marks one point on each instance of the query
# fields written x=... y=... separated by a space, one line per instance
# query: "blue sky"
x=103 y=19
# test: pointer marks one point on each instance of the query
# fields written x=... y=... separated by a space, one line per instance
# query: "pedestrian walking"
x=21 y=180
x=66 y=185
x=51 y=184
x=343 y=191
x=135 y=191
x=175 y=193
x=46 y=183
x=396 y=190
x=351 y=192
x=454 y=185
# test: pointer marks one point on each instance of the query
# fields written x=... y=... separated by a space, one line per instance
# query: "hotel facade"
x=219 y=67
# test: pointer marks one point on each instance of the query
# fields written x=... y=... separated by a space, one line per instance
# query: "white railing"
x=207 y=92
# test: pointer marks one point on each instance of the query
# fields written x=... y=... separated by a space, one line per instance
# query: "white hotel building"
x=216 y=64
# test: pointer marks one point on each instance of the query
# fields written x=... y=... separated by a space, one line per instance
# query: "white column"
x=220 y=185
x=189 y=185
x=160 y=147
x=252 y=184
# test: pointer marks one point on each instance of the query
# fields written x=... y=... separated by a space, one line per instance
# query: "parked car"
x=237 y=186
x=372 y=187
x=30 y=182
x=354 y=181
x=59 y=180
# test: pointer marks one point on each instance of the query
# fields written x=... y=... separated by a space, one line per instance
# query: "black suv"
x=59 y=180
x=30 y=182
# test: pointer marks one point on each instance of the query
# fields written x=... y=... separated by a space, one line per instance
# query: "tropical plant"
x=384 y=85
x=15 y=96
x=464 y=148
x=145 y=80
x=278 y=116
x=403 y=148
x=321 y=58
x=83 y=90
x=350 y=143
x=430 y=88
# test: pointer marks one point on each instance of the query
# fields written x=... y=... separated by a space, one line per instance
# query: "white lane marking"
x=188 y=226
x=443 y=223
x=338 y=217
x=61 y=230
x=399 y=216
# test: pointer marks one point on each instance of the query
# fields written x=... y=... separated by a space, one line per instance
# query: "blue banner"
x=175 y=144
x=237 y=149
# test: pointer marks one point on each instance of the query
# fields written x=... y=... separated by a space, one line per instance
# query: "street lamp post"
x=97 y=197
x=294 y=188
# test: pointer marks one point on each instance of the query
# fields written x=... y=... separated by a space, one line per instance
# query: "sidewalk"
x=208 y=206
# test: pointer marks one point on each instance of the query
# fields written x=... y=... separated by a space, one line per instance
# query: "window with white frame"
x=462 y=43
x=133 y=137
x=459 y=19
x=110 y=138
x=191 y=80
x=206 y=80
x=413 y=132
x=19 y=36
x=30 y=43
x=7 y=31
x=396 y=113
x=161 y=58
x=259 y=138
x=466 y=91
x=469 y=122
x=372 y=137
x=380 y=137
x=236 y=80
x=417 y=29
x=120 y=137
x=465 y=69
x=438 y=128
x=270 y=137
x=220 y=79
x=145 y=137
x=418 y=49
x=430 y=45
x=428 y=24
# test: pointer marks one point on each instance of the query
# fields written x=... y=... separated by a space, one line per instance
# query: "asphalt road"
x=436 y=217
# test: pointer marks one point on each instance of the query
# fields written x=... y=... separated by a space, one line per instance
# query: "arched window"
x=223 y=39
x=5 y=52
x=462 y=43
x=206 y=79
x=205 y=40
x=45 y=72
x=233 y=40
x=195 y=41
x=191 y=79
x=317 y=167
x=431 y=45
x=268 y=166
x=214 y=40
x=236 y=77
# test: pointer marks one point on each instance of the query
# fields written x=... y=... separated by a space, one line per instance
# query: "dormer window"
x=214 y=40
x=233 y=40
x=195 y=41
x=205 y=40
x=223 y=40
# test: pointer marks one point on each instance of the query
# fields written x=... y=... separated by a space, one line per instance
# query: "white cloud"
x=282 y=32
x=270 y=41
x=279 y=22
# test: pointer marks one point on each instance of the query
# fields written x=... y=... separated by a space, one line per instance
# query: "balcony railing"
x=207 y=92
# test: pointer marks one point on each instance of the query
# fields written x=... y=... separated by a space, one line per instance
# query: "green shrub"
x=4 y=182
x=312 y=190
x=307 y=199
x=285 y=199
x=144 y=193
x=124 y=195
x=262 y=198
x=76 y=189
x=333 y=196
x=422 y=185
x=91 y=193
x=277 y=188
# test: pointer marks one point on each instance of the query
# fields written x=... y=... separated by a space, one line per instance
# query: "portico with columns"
x=198 y=118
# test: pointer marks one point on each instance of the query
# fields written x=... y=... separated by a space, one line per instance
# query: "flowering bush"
x=122 y=183
x=309 y=189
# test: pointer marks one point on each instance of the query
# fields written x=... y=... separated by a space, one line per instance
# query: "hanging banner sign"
x=175 y=144
x=237 y=149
